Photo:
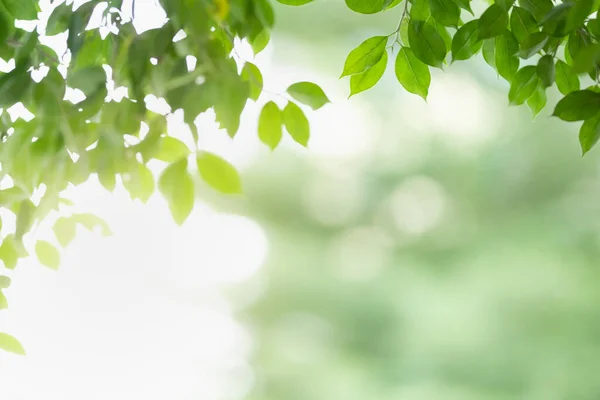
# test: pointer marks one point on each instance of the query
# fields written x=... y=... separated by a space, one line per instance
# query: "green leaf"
x=10 y=344
x=367 y=54
x=545 y=70
x=412 y=73
x=566 y=79
x=594 y=27
x=296 y=123
x=366 y=6
x=13 y=86
x=466 y=41
x=218 y=173
x=523 y=85
x=538 y=100
x=532 y=44
x=308 y=93
x=177 y=186
x=140 y=182
x=538 y=8
x=25 y=218
x=260 y=41
x=505 y=4
x=489 y=52
x=171 y=150
x=579 y=105
x=522 y=23
x=589 y=134
x=426 y=43
x=269 y=125
x=578 y=14
x=22 y=9
x=294 y=2
x=464 y=4
x=64 y=230
x=88 y=80
x=446 y=12
x=366 y=80
x=5 y=282
x=47 y=254
x=59 y=20
x=419 y=10
x=506 y=61
x=492 y=22
x=91 y=222
x=3 y=301
x=8 y=252
x=252 y=74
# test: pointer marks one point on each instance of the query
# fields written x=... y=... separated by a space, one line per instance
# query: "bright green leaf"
x=522 y=23
x=466 y=41
x=446 y=12
x=270 y=125
x=523 y=85
x=532 y=44
x=10 y=344
x=369 y=78
x=579 y=105
x=308 y=93
x=367 y=54
x=538 y=100
x=566 y=80
x=47 y=254
x=589 y=134
x=218 y=173
x=506 y=60
x=177 y=186
x=492 y=22
x=545 y=70
x=296 y=123
x=412 y=74
x=426 y=43
x=64 y=230
x=171 y=150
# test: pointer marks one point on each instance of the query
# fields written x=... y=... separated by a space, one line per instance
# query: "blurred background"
x=416 y=251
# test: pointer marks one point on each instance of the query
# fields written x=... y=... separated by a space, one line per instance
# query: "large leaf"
x=578 y=105
x=412 y=74
x=426 y=43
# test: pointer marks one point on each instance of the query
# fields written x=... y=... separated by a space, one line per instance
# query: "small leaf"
x=91 y=222
x=10 y=344
x=466 y=41
x=140 y=184
x=308 y=93
x=177 y=186
x=489 y=52
x=252 y=74
x=523 y=85
x=296 y=123
x=260 y=41
x=545 y=70
x=532 y=44
x=269 y=125
x=426 y=43
x=367 y=54
x=446 y=12
x=578 y=106
x=218 y=173
x=538 y=100
x=566 y=80
x=171 y=150
x=412 y=74
x=506 y=61
x=47 y=254
x=64 y=230
x=8 y=252
x=589 y=134
x=366 y=80
x=3 y=301
x=492 y=22
x=5 y=282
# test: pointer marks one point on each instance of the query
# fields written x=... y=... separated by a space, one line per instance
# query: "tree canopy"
x=79 y=126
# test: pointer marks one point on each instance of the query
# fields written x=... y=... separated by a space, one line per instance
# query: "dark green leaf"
x=426 y=43
x=523 y=85
x=466 y=41
x=545 y=70
x=578 y=14
x=464 y=4
x=446 y=12
x=532 y=44
x=566 y=80
x=578 y=106
x=492 y=22
x=589 y=134
x=522 y=23
x=538 y=8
